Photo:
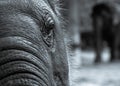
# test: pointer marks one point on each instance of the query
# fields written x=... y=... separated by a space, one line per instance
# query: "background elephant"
x=32 y=50
x=106 y=28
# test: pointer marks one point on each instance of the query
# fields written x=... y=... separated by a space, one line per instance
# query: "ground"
x=104 y=74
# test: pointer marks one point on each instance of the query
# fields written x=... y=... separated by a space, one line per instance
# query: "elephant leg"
x=98 y=55
x=112 y=54
x=115 y=50
x=98 y=48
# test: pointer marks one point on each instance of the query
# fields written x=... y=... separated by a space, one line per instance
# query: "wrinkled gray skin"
x=32 y=51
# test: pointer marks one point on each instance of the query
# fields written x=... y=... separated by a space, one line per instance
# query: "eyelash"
x=48 y=19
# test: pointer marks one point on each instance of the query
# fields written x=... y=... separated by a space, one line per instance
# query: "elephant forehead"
x=26 y=4
x=18 y=19
x=35 y=8
x=41 y=3
x=27 y=19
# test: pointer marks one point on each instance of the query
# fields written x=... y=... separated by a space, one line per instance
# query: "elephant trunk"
x=21 y=63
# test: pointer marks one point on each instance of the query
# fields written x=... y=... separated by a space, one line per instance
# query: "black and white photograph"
x=59 y=42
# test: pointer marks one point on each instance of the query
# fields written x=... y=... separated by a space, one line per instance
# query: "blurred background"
x=92 y=39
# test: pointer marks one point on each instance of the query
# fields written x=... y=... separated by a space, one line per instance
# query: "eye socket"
x=48 y=30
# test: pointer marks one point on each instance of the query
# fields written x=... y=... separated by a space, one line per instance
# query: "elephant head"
x=32 y=49
x=102 y=16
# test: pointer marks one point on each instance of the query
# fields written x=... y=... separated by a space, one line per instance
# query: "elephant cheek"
x=22 y=63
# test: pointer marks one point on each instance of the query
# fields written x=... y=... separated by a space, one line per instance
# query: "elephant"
x=106 y=26
x=32 y=48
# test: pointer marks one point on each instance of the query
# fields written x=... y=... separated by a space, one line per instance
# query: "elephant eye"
x=48 y=30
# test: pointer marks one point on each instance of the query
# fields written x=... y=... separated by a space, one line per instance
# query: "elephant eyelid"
x=48 y=19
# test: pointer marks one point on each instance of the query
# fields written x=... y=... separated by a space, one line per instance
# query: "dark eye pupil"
x=48 y=28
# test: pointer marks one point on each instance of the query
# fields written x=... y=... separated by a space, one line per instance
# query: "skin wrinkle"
x=18 y=63
x=23 y=65
x=22 y=76
x=37 y=74
x=46 y=61
x=25 y=32
x=27 y=15
x=35 y=47
x=26 y=82
x=25 y=71
x=28 y=58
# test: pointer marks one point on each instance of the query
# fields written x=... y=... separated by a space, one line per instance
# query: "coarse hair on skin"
x=58 y=8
